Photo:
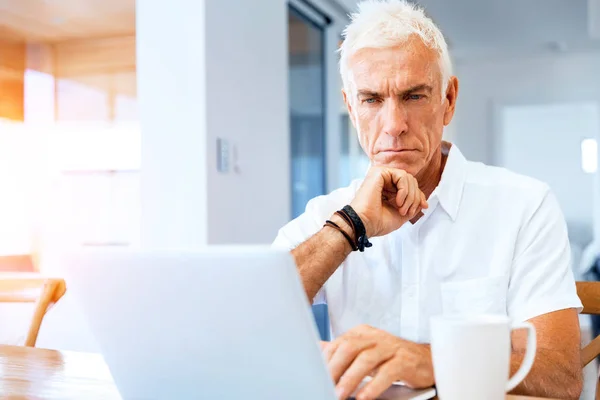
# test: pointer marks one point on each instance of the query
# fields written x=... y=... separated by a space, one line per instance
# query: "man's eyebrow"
x=367 y=93
x=416 y=88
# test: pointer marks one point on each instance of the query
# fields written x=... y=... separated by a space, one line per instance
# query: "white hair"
x=389 y=23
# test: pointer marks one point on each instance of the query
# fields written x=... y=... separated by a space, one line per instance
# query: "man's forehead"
x=403 y=64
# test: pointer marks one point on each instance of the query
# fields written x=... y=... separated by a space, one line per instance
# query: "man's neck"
x=431 y=176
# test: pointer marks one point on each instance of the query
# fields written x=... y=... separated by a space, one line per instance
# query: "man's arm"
x=321 y=255
x=364 y=351
x=557 y=370
x=386 y=200
x=542 y=291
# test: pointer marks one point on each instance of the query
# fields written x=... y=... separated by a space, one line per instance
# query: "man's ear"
x=348 y=107
x=451 y=96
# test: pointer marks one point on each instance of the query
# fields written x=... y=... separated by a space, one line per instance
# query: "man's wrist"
x=343 y=224
x=347 y=236
x=365 y=221
x=422 y=365
x=427 y=372
x=361 y=240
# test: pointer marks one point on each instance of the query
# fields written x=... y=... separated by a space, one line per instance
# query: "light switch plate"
x=222 y=155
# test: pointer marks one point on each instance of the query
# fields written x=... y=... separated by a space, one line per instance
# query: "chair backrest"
x=31 y=288
x=589 y=293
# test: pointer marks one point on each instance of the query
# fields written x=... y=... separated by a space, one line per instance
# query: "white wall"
x=558 y=78
x=247 y=104
x=228 y=80
x=171 y=75
x=212 y=73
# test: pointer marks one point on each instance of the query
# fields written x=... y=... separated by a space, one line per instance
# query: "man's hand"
x=367 y=351
x=387 y=198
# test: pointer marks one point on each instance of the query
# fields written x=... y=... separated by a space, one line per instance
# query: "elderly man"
x=448 y=235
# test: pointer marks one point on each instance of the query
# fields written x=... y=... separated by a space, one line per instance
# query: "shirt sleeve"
x=542 y=280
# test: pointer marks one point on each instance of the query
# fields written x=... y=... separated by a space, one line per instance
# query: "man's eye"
x=415 y=97
x=371 y=100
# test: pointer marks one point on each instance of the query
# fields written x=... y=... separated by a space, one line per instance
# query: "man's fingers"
x=416 y=201
x=393 y=178
x=424 y=203
x=383 y=379
x=329 y=350
x=419 y=203
x=409 y=197
x=412 y=200
x=343 y=357
x=362 y=366
x=401 y=195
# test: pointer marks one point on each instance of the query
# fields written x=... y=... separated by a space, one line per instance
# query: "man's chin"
x=409 y=164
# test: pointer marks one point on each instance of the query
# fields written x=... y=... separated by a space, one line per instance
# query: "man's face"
x=395 y=102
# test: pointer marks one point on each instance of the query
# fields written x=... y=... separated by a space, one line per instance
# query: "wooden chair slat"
x=31 y=288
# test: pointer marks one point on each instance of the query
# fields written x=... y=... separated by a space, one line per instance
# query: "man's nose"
x=394 y=118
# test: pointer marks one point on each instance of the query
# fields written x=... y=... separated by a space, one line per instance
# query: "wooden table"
x=30 y=373
x=510 y=397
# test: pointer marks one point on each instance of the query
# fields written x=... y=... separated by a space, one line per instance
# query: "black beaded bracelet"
x=362 y=240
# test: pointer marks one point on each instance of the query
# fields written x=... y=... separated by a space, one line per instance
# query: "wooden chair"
x=589 y=293
x=31 y=288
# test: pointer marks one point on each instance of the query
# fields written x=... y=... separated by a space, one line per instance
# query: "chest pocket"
x=475 y=296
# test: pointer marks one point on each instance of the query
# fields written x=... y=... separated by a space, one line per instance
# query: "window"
x=68 y=126
x=589 y=156
x=354 y=163
x=307 y=107
x=307 y=115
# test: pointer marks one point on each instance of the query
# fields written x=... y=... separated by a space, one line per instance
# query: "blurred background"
x=194 y=123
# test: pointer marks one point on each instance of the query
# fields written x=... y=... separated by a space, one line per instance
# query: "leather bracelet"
x=362 y=241
x=346 y=218
x=348 y=238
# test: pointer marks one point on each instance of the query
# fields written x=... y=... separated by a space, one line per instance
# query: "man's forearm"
x=319 y=257
x=551 y=375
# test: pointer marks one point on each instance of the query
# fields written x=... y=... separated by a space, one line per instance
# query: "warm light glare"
x=39 y=202
x=589 y=155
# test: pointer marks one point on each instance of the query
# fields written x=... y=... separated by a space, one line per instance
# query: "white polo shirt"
x=491 y=241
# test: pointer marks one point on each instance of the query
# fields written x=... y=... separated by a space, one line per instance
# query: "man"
x=448 y=235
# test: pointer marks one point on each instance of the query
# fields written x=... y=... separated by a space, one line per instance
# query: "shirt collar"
x=450 y=189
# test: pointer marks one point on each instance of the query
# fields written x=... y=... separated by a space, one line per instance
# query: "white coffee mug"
x=471 y=356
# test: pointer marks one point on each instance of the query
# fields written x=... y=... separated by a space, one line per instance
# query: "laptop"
x=219 y=323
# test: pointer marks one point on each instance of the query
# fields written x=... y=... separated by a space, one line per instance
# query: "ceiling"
x=60 y=20
x=510 y=26
x=471 y=26
x=104 y=60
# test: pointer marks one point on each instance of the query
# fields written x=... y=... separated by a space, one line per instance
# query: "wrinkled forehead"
x=400 y=67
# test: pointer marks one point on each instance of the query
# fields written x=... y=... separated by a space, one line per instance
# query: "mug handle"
x=529 y=355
